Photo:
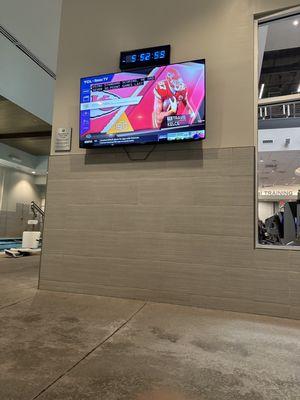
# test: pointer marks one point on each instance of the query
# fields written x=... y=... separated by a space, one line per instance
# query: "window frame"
x=258 y=20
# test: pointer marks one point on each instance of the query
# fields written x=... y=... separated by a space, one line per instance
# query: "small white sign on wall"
x=276 y=193
x=33 y=222
x=63 y=139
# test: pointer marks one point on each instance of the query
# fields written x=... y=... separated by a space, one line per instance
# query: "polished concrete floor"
x=78 y=347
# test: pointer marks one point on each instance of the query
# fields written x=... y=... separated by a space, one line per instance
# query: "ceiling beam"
x=23 y=135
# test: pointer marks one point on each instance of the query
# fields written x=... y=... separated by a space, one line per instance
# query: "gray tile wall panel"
x=178 y=228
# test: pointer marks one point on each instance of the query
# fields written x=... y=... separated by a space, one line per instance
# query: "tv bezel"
x=112 y=145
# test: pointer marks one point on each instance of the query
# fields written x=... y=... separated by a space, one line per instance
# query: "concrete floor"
x=71 y=347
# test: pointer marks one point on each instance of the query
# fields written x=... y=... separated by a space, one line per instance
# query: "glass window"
x=278 y=144
x=280 y=66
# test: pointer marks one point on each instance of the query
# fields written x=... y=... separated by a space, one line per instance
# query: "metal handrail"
x=289 y=110
x=37 y=210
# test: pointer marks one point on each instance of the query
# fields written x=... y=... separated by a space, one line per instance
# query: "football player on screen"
x=168 y=95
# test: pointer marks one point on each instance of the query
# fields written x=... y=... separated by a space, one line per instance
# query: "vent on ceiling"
x=26 y=51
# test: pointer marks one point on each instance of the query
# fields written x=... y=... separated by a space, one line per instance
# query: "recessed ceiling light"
x=296 y=22
x=261 y=161
x=33 y=172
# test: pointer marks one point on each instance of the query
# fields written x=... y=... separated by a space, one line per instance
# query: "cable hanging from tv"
x=140 y=159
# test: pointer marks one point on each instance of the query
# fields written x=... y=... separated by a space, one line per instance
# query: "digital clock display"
x=145 y=57
x=142 y=57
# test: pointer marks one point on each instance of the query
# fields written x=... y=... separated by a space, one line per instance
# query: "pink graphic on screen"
x=140 y=105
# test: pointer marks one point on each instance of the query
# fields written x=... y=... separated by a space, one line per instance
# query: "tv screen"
x=151 y=105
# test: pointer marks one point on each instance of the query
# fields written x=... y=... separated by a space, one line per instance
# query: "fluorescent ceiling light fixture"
x=296 y=22
x=261 y=91
x=298 y=90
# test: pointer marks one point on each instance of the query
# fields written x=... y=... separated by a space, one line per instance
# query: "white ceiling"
x=35 y=23
x=282 y=34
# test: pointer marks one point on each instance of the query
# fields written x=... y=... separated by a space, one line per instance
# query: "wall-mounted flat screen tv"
x=151 y=105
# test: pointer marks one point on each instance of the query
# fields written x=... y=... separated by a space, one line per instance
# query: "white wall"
x=36 y=24
x=18 y=188
x=17 y=183
x=24 y=83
